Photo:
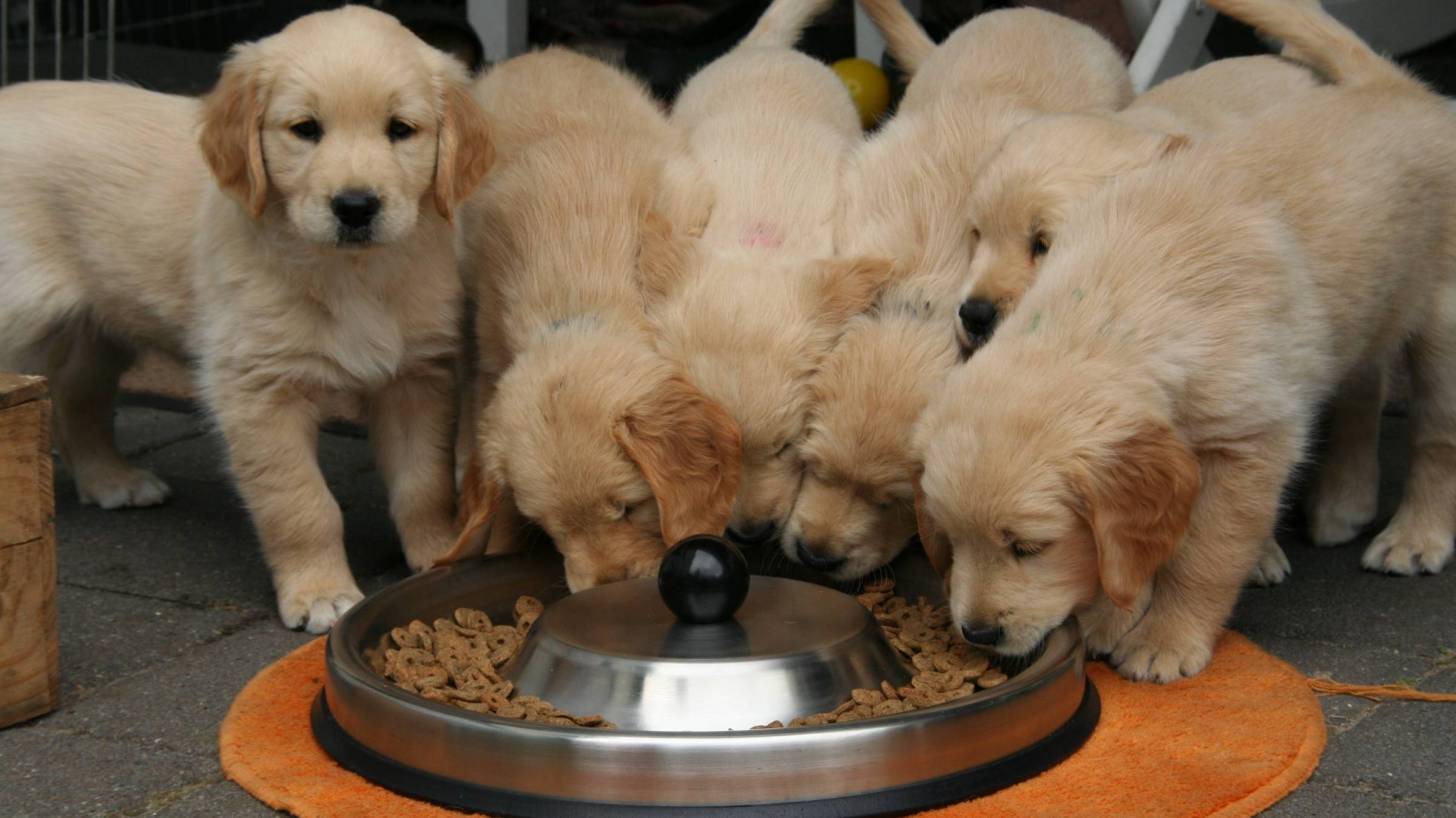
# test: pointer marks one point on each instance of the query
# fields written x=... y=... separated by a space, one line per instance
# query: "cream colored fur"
x=1051 y=165
x=762 y=297
x=571 y=388
x=1119 y=447
x=905 y=199
x=116 y=235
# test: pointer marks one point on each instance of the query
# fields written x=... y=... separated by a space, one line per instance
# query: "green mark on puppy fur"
x=1078 y=294
x=1035 y=322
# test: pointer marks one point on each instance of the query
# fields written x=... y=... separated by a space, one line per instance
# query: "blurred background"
x=176 y=45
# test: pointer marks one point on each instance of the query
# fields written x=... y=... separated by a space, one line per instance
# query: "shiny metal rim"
x=671 y=769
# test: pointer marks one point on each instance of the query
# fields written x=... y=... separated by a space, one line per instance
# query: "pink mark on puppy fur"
x=762 y=234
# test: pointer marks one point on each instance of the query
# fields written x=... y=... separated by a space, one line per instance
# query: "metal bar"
x=501 y=26
x=85 y=39
x=4 y=42
x=30 y=40
x=58 y=5
x=1172 y=43
x=111 y=39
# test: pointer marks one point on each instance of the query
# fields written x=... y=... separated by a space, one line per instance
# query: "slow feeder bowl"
x=684 y=692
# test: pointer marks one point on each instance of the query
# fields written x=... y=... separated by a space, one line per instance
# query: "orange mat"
x=1229 y=742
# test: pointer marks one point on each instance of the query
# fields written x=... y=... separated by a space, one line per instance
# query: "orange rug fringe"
x=1229 y=743
x=1376 y=693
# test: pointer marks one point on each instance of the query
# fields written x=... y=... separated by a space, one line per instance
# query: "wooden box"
x=30 y=680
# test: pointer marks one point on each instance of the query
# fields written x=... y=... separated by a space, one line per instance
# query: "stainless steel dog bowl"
x=675 y=689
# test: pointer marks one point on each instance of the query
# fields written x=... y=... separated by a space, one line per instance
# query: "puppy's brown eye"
x=1039 y=244
x=784 y=449
x=308 y=130
x=400 y=130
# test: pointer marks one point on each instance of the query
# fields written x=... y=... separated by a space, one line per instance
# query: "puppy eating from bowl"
x=1119 y=447
x=1048 y=167
x=761 y=294
x=581 y=426
x=304 y=251
x=905 y=198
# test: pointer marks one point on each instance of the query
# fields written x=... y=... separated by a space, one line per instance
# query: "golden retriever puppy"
x=1052 y=164
x=583 y=427
x=1048 y=166
x=1118 y=449
x=304 y=251
x=761 y=296
x=906 y=200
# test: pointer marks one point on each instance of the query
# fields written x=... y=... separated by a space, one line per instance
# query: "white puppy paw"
x=1272 y=567
x=422 y=552
x=120 y=487
x=1397 y=552
x=316 y=609
x=1158 y=652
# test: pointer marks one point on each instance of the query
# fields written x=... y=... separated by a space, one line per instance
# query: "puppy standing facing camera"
x=306 y=250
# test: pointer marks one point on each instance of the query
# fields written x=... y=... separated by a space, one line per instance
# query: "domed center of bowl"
x=793 y=648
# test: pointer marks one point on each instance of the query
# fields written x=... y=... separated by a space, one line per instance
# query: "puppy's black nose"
x=355 y=209
x=754 y=533
x=979 y=317
x=819 y=562
x=986 y=637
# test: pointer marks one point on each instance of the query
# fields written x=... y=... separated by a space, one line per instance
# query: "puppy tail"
x=907 y=41
x=1310 y=35
x=783 y=22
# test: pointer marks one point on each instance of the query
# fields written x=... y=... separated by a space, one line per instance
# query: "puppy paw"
x=422 y=552
x=315 y=607
x=1105 y=624
x=120 y=487
x=1397 y=551
x=1336 y=523
x=1158 y=652
x=1272 y=567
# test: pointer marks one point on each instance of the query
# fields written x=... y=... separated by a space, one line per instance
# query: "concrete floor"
x=166 y=613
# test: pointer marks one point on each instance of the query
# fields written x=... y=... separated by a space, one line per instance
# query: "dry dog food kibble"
x=945 y=668
x=455 y=663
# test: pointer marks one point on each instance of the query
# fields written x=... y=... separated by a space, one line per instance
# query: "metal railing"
x=89 y=26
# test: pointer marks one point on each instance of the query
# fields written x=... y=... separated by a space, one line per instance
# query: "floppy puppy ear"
x=688 y=449
x=232 y=129
x=932 y=539
x=480 y=499
x=847 y=287
x=463 y=149
x=1138 y=505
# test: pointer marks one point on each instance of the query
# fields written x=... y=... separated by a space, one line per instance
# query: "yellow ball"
x=867 y=86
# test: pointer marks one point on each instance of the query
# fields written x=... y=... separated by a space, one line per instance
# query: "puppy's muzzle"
x=983 y=636
x=754 y=533
x=979 y=317
x=813 y=559
x=355 y=211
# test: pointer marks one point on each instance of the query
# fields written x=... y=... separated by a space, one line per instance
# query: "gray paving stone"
x=180 y=704
x=106 y=636
x=51 y=774
x=1402 y=750
x=221 y=799
x=1316 y=799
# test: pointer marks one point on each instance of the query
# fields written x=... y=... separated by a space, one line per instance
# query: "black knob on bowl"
x=703 y=579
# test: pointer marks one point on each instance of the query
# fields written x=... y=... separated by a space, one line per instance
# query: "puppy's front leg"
x=272 y=439
x=410 y=422
x=1195 y=592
